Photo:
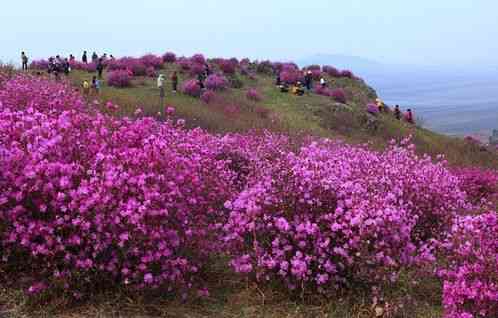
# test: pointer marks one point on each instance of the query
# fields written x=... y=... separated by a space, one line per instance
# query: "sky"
x=422 y=32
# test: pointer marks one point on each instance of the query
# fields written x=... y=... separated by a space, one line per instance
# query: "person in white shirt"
x=322 y=82
x=160 y=85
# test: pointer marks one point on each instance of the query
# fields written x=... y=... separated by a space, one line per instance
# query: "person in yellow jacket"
x=380 y=104
x=86 y=88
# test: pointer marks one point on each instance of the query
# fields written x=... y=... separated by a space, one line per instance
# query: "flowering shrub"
x=316 y=74
x=228 y=66
x=264 y=67
x=196 y=68
x=78 y=206
x=39 y=65
x=169 y=57
x=331 y=71
x=135 y=66
x=151 y=60
x=347 y=74
x=291 y=76
x=151 y=72
x=313 y=68
x=216 y=82
x=254 y=95
x=313 y=221
x=372 y=108
x=119 y=78
x=478 y=184
x=339 y=95
x=471 y=271
x=192 y=88
x=325 y=91
x=184 y=63
x=208 y=96
x=198 y=58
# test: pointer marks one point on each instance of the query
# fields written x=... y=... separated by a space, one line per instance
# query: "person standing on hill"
x=71 y=58
x=84 y=58
x=409 y=117
x=24 y=60
x=86 y=88
x=95 y=85
x=100 y=67
x=308 y=78
x=200 y=80
x=66 y=67
x=397 y=112
x=160 y=85
x=95 y=57
x=174 y=81
x=323 y=83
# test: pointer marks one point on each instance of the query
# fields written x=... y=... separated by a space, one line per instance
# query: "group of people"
x=408 y=116
x=161 y=80
x=299 y=88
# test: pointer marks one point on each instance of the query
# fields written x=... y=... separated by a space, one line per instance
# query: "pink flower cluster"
x=470 y=272
x=119 y=78
x=78 y=205
x=192 y=88
x=478 y=184
x=254 y=95
x=313 y=221
x=208 y=96
x=169 y=57
x=339 y=95
x=216 y=82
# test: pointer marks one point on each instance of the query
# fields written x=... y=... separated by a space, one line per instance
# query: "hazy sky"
x=392 y=31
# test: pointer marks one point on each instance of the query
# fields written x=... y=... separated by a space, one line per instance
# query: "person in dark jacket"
x=84 y=58
x=100 y=67
x=308 y=79
x=95 y=57
x=24 y=60
x=66 y=67
x=174 y=81
x=397 y=112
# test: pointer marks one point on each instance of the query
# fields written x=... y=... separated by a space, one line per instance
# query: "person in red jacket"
x=409 y=116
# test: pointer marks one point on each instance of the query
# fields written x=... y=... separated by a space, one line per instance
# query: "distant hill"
x=358 y=64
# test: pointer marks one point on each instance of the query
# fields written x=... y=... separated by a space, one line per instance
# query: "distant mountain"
x=354 y=63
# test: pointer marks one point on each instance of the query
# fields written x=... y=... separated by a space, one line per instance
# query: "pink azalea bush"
x=198 y=58
x=254 y=95
x=216 y=82
x=78 y=206
x=478 y=184
x=151 y=72
x=325 y=91
x=192 y=88
x=331 y=71
x=339 y=95
x=470 y=272
x=228 y=67
x=151 y=60
x=347 y=73
x=119 y=78
x=39 y=65
x=169 y=57
x=319 y=224
x=373 y=109
x=291 y=76
x=208 y=96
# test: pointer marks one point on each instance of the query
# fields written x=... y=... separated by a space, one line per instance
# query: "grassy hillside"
x=296 y=115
